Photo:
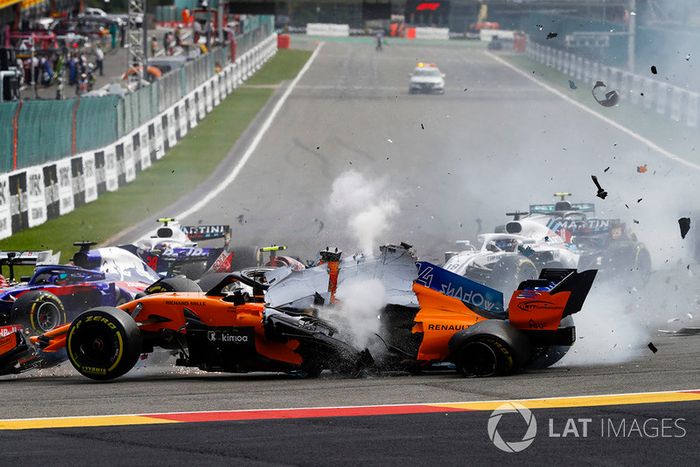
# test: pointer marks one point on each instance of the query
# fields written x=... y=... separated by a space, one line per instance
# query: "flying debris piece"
x=687 y=58
x=640 y=200
x=653 y=70
x=388 y=139
x=673 y=320
x=610 y=98
x=526 y=251
x=684 y=224
x=551 y=35
x=652 y=347
x=635 y=221
x=606 y=169
x=422 y=127
x=540 y=27
x=602 y=194
x=572 y=85
x=642 y=169
x=690 y=315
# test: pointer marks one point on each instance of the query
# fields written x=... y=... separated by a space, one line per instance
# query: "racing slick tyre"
x=173 y=284
x=244 y=257
x=103 y=343
x=544 y=357
x=194 y=270
x=509 y=272
x=641 y=269
x=489 y=348
x=38 y=311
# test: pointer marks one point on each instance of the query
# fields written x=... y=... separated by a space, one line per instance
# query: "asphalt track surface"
x=494 y=142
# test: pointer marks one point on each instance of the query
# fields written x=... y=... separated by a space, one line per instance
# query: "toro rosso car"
x=55 y=293
x=173 y=249
x=456 y=320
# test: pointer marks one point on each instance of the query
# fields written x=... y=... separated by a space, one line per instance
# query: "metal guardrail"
x=673 y=102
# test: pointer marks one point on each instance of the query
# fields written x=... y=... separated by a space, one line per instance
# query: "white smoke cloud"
x=367 y=205
x=607 y=331
x=356 y=313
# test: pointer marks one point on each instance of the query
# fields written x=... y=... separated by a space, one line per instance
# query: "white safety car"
x=427 y=79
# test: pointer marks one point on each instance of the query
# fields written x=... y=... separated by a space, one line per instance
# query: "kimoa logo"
x=512 y=446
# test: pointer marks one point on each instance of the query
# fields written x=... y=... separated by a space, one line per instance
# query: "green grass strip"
x=676 y=137
x=184 y=167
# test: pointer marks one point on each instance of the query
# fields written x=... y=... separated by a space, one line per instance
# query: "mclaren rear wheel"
x=103 y=343
x=485 y=356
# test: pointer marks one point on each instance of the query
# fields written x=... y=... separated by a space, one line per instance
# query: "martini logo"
x=530 y=430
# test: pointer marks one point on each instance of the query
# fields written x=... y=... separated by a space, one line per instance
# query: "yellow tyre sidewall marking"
x=70 y=348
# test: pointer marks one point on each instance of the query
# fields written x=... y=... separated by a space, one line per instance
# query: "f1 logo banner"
x=78 y=181
x=65 y=186
x=36 y=201
x=129 y=168
x=453 y=285
x=90 y=177
x=121 y=166
x=111 y=170
x=100 y=172
x=18 y=201
x=5 y=215
x=51 y=191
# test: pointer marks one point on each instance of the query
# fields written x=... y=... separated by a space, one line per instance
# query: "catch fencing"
x=138 y=130
x=35 y=132
x=673 y=102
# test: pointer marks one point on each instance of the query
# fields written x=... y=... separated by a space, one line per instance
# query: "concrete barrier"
x=486 y=35
x=327 y=29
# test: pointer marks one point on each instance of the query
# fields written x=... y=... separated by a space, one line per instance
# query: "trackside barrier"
x=327 y=29
x=485 y=35
x=33 y=195
x=433 y=33
x=674 y=102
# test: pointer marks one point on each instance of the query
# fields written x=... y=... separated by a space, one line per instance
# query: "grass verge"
x=676 y=137
x=185 y=166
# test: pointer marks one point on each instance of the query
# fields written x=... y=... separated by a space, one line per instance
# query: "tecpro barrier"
x=324 y=29
x=31 y=196
x=432 y=33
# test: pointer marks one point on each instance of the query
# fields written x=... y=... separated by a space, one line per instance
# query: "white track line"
x=253 y=145
x=613 y=123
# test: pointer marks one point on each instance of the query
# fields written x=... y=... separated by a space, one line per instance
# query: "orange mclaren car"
x=225 y=330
